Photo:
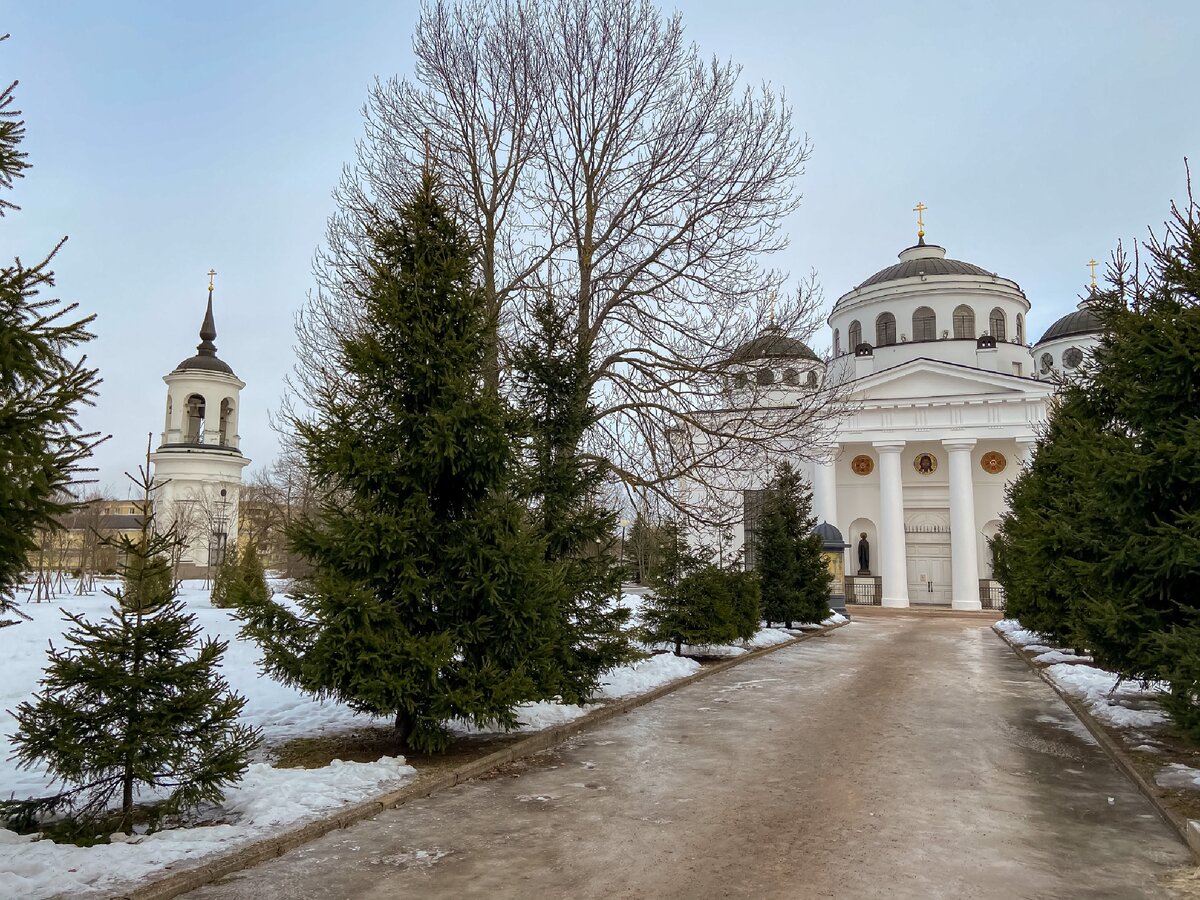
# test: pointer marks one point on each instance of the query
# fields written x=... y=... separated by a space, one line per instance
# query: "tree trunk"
x=404 y=728
x=678 y=646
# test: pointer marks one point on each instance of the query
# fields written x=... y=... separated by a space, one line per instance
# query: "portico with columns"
x=940 y=412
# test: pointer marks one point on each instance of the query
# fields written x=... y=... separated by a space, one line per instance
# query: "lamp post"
x=220 y=534
x=624 y=523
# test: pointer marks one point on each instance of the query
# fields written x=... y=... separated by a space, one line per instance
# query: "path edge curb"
x=1188 y=830
x=178 y=883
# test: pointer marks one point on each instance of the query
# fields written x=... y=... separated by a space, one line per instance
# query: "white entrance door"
x=927 y=542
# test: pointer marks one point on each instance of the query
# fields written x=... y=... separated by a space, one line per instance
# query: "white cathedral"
x=944 y=399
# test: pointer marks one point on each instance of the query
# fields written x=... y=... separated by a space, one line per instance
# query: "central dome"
x=924 y=259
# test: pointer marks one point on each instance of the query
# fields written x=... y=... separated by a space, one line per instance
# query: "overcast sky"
x=169 y=138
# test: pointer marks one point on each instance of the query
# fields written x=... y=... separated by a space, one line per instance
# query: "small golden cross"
x=211 y=273
x=919 y=209
x=1092 y=265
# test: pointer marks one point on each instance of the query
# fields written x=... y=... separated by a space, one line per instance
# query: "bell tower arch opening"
x=196 y=409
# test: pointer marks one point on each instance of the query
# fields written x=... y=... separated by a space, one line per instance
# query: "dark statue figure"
x=864 y=554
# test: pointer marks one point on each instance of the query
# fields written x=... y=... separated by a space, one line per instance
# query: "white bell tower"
x=198 y=463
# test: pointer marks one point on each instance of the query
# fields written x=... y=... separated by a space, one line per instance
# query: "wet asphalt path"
x=898 y=757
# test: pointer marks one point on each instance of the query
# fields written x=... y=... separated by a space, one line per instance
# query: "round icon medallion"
x=925 y=463
x=862 y=465
x=993 y=463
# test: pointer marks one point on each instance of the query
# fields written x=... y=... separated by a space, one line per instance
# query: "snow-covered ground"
x=1129 y=706
x=267 y=798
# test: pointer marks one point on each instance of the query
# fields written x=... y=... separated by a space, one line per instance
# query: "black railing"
x=991 y=596
x=863 y=591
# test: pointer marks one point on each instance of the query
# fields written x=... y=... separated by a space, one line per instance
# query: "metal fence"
x=863 y=591
x=991 y=595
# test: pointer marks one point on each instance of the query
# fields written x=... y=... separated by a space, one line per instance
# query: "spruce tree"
x=43 y=383
x=429 y=597
x=134 y=701
x=248 y=586
x=694 y=601
x=563 y=487
x=795 y=580
x=1102 y=546
x=1143 y=569
x=1053 y=507
x=228 y=572
x=746 y=596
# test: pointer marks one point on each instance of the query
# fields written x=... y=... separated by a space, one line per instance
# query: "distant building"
x=945 y=397
x=198 y=464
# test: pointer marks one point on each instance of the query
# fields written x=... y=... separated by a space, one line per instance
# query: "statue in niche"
x=864 y=554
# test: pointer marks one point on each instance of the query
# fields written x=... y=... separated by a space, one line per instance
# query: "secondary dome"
x=773 y=344
x=206 y=351
x=1082 y=321
x=924 y=259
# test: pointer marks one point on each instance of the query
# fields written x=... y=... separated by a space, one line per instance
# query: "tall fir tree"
x=429 y=597
x=135 y=700
x=563 y=487
x=1109 y=512
x=1043 y=538
x=795 y=580
x=43 y=384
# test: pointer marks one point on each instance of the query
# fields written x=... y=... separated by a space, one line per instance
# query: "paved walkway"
x=897 y=757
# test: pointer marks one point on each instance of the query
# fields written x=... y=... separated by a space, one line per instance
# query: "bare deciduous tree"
x=598 y=157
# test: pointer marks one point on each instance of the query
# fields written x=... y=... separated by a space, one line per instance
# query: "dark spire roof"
x=206 y=350
x=1082 y=321
x=772 y=343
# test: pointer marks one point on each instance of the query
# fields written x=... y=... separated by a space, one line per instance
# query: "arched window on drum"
x=964 y=322
x=924 y=324
x=854 y=335
x=885 y=330
x=998 y=324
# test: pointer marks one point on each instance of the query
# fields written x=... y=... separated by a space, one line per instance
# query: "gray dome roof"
x=927 y=266
x=829 y=534
x=205 y=359
x=1081 y=321
x=205 y=363
x=771 y=344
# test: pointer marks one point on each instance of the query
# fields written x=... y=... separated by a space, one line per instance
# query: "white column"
x=964 y=557
x=1025 y=448
x=892 y=554
x=825 y=489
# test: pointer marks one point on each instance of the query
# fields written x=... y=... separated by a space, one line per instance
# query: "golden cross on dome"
x=211 y=274
x=919 y=209
x=1092 y=265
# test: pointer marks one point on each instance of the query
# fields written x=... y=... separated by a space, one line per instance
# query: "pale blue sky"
x=168 y=138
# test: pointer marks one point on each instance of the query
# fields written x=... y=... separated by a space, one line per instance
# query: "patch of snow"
x=1058 y=656
x=835 y=619
x=645 y=675
x=768 y=637
x=266 y=799
x=1012 y=629
x=1107 y=702
x=1179 y=777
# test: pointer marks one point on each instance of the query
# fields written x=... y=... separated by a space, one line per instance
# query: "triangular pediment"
x=930 y=379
